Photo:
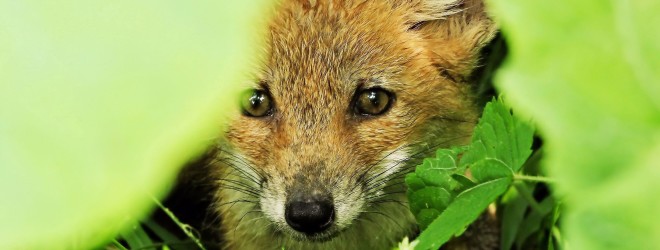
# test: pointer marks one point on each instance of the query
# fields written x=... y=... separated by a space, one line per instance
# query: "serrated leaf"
x=429 y=197
x=432 y=174
x=452 y=152
x=501 y=144
x=414 y=183
x=463 y=181
x=463 y=210
x=437 y=171
x=425 y=216
x=490 y=169
x=500 y=136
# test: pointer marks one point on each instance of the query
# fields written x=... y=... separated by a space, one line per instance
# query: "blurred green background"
x=587 y=72
x=101 y=102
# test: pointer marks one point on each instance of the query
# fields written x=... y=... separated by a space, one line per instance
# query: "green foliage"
x=463 y=210
x=101 y=103
x=527 y=223
x=444 y=200
x=137 y=237
x=586 y=71
x=500 y=138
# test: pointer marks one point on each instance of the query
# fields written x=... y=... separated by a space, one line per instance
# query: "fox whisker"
x=238 y=224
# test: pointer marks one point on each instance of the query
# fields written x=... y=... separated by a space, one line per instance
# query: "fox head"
x=350 y=96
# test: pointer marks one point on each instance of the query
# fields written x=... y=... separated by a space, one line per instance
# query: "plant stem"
x=557 y=234
x=118 y=245
x=524 y=192
x=533 y=178
x=185 y=227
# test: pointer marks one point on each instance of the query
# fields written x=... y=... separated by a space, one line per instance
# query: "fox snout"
x=311 y=202
x=309 y=210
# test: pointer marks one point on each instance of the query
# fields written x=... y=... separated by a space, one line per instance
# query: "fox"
x=348 y=99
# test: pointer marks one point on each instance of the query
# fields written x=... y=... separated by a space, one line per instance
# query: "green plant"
x=586 y=71
x=102 y=102
x=445 y=200
x=150 y=234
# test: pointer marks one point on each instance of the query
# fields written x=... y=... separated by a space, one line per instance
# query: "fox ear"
x=422 y=11
x=454 y=30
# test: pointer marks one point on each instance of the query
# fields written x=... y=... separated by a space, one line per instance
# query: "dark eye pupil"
x=373 y=98
x=256 y=99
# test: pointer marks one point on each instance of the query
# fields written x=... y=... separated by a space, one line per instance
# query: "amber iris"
x=256 y=103
x=373 y=101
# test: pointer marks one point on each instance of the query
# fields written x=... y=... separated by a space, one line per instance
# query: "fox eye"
x=256 y=103
x=373 y=101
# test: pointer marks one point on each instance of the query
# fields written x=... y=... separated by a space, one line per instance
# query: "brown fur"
x=318 y=54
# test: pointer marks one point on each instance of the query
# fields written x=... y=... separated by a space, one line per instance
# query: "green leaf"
x=429 y=197
x=437 y=171
x=187 y=229
x=532 y=222
x=500 y=136
x=490 y=169
x=463 y=181
x=463 y=210
x=118 y=245
x=586 y=72
x=137 y=238
x=414 y=183
x=501 y=144
x=554 y=234
x=431 y=187
x=162 y=233
x=513 y=212
x=102 y=102
x=426 y=216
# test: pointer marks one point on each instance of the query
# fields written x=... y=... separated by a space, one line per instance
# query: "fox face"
x=350 y=96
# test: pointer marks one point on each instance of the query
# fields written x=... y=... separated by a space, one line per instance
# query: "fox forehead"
x=319 y=53
x=324 y=52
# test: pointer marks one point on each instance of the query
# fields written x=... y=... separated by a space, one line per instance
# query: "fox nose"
x=309 y=215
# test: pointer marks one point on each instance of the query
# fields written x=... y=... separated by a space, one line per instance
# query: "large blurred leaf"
x=587 y=71
x=101 y=102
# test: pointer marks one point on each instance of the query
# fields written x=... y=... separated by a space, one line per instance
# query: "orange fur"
x=318 y=54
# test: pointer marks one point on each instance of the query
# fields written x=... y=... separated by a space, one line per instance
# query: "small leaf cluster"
x=448 y=192
x=153 y=234
x=529 y=222
x=434 y=184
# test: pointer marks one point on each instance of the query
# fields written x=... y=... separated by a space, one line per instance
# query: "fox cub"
x=352 y=94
